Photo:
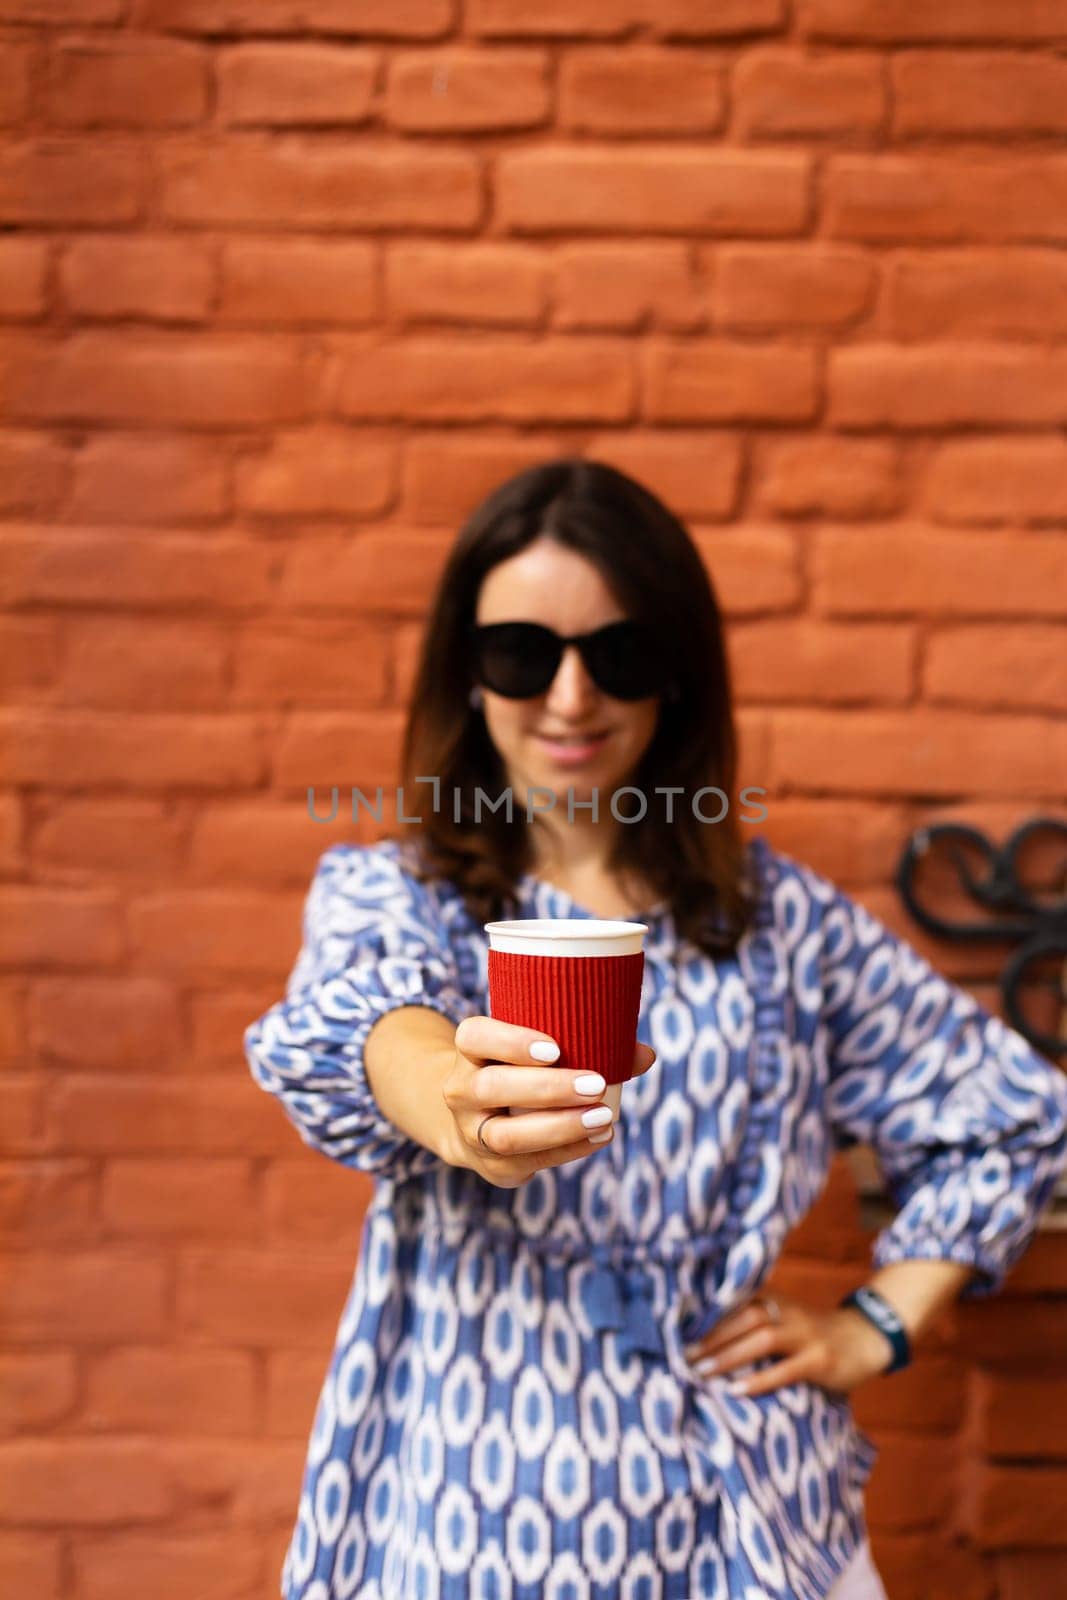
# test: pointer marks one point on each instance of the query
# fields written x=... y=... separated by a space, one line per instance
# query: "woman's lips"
x=573 y=754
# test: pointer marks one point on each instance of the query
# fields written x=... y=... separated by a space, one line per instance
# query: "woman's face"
x=549 y=740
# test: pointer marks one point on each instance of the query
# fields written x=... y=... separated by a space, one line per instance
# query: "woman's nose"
x=572 y=688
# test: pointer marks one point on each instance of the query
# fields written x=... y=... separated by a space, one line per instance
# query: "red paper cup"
x=578 y=981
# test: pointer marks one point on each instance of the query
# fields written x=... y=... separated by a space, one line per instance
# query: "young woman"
x=557 y=1376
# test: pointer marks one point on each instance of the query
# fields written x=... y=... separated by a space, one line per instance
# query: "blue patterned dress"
x=508 y=1413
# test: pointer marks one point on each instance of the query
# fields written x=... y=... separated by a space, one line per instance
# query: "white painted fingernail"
x=709 y=1364
x=601 y=1138
x=589 y=1083
x=596 y=1117
x=544 y=1050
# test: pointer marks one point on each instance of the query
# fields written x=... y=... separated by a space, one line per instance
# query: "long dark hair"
x=655 y=571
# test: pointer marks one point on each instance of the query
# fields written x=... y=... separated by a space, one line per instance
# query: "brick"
x=22 y=1130
x=879 y=385
x=206 y=933
x=30 y=1563
x=23 y=264
x=262 y=846
x=70 y=749
x=590 y=190
x=919 y=751
x=326 y=748
x=16 y=62
x=134 y=478
x=1026 y=1332
x=467 y=91
x=931 y=1397
x=1001 y=665
x=85 y=567
x=294 y=282
x=999 y=480
x=705 y=380
x=47 y=1203
x=113 y=1023
x=401 y=19
x=319 y=472
x=838 y=477
x=99 y=1297
x=459 y=380
x=754 y=569
x=690 y=19
x=33 y=472
x=29 y=658
x=110 y=837
x=980 y=91
x=37 y=1389
x=500 y=285
x=304 y=1205
x=232 y=1295
x=50 y=927
x=109 y=1116
x=610 y=286
x=831 y=663
x=12 y=860
x=126 y=83
x=696 y=474
x=140 y=665
x=446 y=475
x=293 y=85
x=852 y=842
x=294 y=1382
x=218 y=1019
x=68 y=12
x=389 y=571
x=65 y=182
x=219 y=380
x=910 y=570
x=160 y=280
x=788 y=287
x=82 y=1483
x=1018 y=1506
x=1011 y=294
x=642 y=91
x=902 y=21
x=169 y=1565
x=258 y=1481
x=778 y=93
x=242 y=180
x=945 y=198
x=310 y=664
x=1019 y=1413
x=929 y=1564
x=178 y=1199
x=914 y=1484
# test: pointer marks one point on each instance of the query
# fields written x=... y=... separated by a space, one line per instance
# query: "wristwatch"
x=878 y=1311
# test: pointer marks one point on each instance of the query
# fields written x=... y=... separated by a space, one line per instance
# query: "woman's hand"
x=493 y=1070
x=836 y=1349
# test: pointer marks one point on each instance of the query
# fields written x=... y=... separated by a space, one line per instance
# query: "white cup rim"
x=566 y=928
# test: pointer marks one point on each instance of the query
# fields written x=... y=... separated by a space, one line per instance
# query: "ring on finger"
x=487 y=1118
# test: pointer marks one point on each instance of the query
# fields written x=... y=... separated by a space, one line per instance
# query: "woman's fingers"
x=485 y=1039
x=763 y=1341
x=533 y=1131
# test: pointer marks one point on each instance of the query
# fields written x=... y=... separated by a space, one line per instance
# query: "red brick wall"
x=287 y=287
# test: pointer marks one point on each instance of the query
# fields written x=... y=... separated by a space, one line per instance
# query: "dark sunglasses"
x=520 y=659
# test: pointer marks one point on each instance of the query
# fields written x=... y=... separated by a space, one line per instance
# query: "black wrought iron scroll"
x=1035 y=921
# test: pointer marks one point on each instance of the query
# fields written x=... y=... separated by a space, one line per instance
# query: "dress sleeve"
x=373 y=941
x=967 y=1122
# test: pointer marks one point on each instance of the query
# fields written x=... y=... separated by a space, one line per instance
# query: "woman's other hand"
x=835 y=1349
x=494 y=1069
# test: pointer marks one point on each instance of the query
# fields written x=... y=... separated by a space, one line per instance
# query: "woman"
x=557 y=1375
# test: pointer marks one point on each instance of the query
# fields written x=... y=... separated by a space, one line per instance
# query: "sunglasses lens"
x=515 y=659
x=623 y=661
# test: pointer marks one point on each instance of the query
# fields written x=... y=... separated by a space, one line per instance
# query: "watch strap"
x=877 y=1310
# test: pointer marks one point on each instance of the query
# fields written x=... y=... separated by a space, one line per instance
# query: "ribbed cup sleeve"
x=588 y=1004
